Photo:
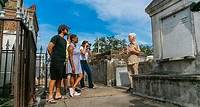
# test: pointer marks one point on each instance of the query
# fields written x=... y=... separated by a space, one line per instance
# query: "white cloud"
x=127 y=28
x=123 y=16
x=118 y=10
x=45 y=33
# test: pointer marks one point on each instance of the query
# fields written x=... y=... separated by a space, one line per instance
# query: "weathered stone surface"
x=122 y=79
x=10 y=25
x=115 y=73
x=146 y=67
x=105 y=72
x=183 y=90
x=180 y=12
x=99 y=72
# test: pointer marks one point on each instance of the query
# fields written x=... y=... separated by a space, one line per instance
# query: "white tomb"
x=176 y=35
x=175 y=77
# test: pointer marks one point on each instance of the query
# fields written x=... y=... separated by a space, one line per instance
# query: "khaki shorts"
x=133 y=69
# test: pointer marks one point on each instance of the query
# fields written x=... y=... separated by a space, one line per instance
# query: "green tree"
x=105 y=44
x=146 y=49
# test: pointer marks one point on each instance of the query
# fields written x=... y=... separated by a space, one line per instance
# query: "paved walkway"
x=106 y=97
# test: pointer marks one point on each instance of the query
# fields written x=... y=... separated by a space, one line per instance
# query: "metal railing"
x=42 y=69
x=17 y=63
x=6 y=73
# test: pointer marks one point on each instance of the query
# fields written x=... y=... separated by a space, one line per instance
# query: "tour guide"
x=133 y=60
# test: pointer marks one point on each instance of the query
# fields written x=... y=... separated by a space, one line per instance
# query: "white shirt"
x=84 y=57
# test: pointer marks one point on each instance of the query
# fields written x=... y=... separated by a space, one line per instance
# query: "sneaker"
x=77 y=93
x=71 y=92
x=92 y=87
x=77 y=90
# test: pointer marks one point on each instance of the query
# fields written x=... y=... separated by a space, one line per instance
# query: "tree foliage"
x=105 y=44
x=111 y=43
x=146 y=49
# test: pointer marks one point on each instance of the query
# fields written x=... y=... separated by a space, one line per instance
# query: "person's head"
x=63 y=29
x=84 y=43
x=132 y=37
x=73 y=38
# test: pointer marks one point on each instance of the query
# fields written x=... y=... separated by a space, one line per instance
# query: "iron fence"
x=17 y=62
x=42 y=69
x=6 y=73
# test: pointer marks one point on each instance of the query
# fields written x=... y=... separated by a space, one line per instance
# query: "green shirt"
x=59 y=51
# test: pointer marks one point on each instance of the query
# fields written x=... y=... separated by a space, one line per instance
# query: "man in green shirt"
x=57 y=51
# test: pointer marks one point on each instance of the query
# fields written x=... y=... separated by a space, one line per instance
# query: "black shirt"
x=59 y=51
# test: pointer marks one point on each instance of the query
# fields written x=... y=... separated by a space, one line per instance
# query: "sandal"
x=51 y=101
x=60 y=97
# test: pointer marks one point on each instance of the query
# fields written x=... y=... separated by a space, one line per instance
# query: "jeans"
x=85 y=68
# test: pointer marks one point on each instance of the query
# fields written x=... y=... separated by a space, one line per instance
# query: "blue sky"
x=90 y=19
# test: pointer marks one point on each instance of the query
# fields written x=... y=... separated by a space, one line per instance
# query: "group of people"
x=68 y=64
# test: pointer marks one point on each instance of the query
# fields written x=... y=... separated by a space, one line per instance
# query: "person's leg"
x=65 y=84
x=82 y=82
x=80 y=76
x=70 y=84
x=135 y=68
x=65 y=78
x=52 y=82
x=72 y=81
x=61 y=72
x=69 y=81
x=74 y=85
x=89 y=74
x=130 y=72
x=58 y=88
x=51 y=88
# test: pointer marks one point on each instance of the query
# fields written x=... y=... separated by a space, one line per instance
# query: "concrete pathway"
x=106 y=97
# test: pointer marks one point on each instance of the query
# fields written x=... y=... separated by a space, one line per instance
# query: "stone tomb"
x=175 y=76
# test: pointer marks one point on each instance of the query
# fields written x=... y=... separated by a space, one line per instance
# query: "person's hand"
x=73 y=69
x=86 y=45
x=125 y=51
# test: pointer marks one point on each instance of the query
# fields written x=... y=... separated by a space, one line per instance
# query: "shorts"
x=133 y=69
x=57 y=70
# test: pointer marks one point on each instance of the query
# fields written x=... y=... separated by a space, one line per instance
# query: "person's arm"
x=89 y=52
x=133 y=51
x=71 y=60
x=50 y=48
x=138 y=47
x=51 y=45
